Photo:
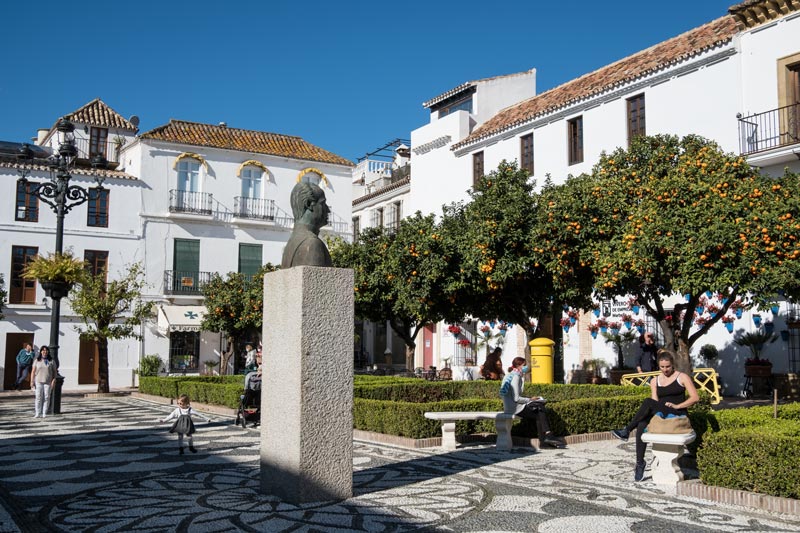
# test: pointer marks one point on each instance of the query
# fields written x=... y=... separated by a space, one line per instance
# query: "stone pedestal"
x=307 y=388
x=667 y=450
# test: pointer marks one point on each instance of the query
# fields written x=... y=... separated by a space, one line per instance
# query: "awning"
x=180 y=317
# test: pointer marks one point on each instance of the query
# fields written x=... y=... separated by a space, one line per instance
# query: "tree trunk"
x=102 y=365
x=410 y=349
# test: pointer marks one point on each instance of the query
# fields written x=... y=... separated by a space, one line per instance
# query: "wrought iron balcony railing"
x=255 y=208
x=185 y=281
x=769 y=130
x=190 y=202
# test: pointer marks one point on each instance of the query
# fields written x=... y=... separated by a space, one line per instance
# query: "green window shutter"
x=249 y=258
x=187 y=256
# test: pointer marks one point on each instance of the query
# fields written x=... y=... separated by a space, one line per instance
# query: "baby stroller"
x=250 y=402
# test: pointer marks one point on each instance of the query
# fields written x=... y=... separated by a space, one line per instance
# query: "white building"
x=735 y=80
x=186 y=200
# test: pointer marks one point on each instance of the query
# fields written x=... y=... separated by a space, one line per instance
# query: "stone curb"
x=695 y=488
x=207 y=408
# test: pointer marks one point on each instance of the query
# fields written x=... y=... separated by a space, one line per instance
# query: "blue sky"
x=346 y=76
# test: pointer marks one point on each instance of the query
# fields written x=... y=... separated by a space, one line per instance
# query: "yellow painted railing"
x=704 y=378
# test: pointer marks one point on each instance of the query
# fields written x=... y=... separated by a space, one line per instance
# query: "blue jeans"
x=22 y=373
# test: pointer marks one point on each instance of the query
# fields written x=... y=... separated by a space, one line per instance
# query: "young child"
x=183 y=425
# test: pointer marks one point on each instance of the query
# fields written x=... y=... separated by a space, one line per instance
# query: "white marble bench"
x=667 y=449
x=502 y=423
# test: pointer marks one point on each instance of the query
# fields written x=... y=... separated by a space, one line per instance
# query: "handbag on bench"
x=670 y=425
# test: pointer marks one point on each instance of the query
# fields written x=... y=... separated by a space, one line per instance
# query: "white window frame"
x=252 y=182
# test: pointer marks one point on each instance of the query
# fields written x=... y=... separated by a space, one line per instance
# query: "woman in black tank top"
x=668 y=396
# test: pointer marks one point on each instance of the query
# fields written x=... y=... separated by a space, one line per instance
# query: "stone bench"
x=667 y=449
x=502 y=424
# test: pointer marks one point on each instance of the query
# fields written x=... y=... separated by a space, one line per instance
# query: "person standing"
x=526 y=408
x=647 y=354
x=43 y=377
x=183 y=422
x=492 y=368
x=24 y=364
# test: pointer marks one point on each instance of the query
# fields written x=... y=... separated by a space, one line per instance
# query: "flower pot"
x=572 y=320
x=775 y=309
x=635 y=309
x=614 y=331
x=566 y=329
x=627 y=324
x=729 y=326
x=640 y=329
x=758 y=371
x=594 y=334
x=738 y=312
x=603 y=329
x=56 y=289
x=687 y=296
x=699 y=309
x=709 y=294
x=769 y=327
x=757 y=320
x=615 y=375
x=596 y=312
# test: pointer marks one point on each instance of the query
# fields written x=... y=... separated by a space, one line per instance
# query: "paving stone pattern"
x=103 y=465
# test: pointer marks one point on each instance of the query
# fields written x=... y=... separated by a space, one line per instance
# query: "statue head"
x=309 y=206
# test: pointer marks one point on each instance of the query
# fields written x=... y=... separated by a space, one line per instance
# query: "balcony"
x=253 y=208
x=198 y=203
x=185 y=282
x=110 y=149
x=771 y=137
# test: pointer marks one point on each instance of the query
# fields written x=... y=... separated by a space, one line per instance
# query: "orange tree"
x=673 y=216
x=504 y=276
x=406 y=276
x=234 y=307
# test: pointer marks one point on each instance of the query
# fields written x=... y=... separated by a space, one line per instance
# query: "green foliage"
x=235 y=306
x=110 y=311
x=619 y=340
x=496 y=239
x=407 y=276
x=709 y=352
x=56 y=267
x=671 y=215
x=213 y=390
x=755 y=341
x=149 y=365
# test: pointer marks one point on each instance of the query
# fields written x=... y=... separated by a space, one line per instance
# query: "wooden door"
x=427 y=345
x=14 y=343
x=88 y=363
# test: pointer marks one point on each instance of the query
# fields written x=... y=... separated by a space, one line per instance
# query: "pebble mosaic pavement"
x=103 y=465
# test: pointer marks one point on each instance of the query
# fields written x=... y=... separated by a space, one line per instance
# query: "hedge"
x=215 y=390
x=764 y=459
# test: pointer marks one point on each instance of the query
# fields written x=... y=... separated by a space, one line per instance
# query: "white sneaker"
x=44 y=416
x=35 y=416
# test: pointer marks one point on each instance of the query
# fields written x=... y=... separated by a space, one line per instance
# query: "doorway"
x=88 y=363
x=14 y=343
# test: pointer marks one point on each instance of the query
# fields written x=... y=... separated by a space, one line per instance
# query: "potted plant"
x=57 y=273
x=594 y=370
x=756 y=366
x=593 y=329
x=619 y=340
x=210 y=365
x=709 y=353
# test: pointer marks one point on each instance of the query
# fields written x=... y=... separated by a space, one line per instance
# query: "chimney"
x=41 y=133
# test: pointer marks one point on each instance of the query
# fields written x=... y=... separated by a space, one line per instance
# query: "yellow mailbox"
x=541 y=360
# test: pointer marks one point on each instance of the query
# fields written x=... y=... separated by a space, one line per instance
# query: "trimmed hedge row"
x=215 y=390
x=764 y=459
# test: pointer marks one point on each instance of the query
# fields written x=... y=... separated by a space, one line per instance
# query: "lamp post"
x=61 y=197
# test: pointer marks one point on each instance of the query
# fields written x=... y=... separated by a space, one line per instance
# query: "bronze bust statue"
x=310 y=213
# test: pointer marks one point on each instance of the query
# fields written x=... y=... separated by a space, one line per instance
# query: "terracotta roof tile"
x=261 y=142
x=97 y=113
x=399 y=184
x=12 y=163
x=752 y=13
x=655 y=58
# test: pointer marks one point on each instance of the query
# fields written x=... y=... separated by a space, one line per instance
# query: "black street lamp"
x=61 y=197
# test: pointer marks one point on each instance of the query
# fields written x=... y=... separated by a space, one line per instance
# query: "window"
x=184 y=348
x=789 y=99
x=27 y=204
x=526 y=152
x=575 y=140
x=97 y=142
x=377 y=217
x=249 y=259
x=635 y=117
x=188 y=176
x=398 y=214
x=251 y=182
x=186 y=265
x=22 y=291
x=356 y=228
x=393 y=216
x=97 y=214
x=477 y=167
x=96 y=261
x=459 y=105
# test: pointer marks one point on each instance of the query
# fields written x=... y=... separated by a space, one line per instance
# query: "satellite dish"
x=134 y=120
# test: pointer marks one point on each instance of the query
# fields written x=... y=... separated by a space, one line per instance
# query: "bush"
x=214 y=390
x=150 y=365
x=762 y=459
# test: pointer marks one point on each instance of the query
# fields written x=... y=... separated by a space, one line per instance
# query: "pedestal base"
x=307 y=388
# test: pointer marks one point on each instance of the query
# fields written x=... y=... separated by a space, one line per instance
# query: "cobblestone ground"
x=103 y=465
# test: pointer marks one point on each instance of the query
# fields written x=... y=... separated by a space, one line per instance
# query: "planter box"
x=758 y=371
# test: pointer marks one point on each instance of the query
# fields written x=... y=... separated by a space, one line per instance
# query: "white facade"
x=227 y=200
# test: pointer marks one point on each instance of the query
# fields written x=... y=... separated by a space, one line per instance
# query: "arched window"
x=312 y=175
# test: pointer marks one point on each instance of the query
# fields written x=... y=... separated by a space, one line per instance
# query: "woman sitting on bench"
x=526 y=408
x=667 y=396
